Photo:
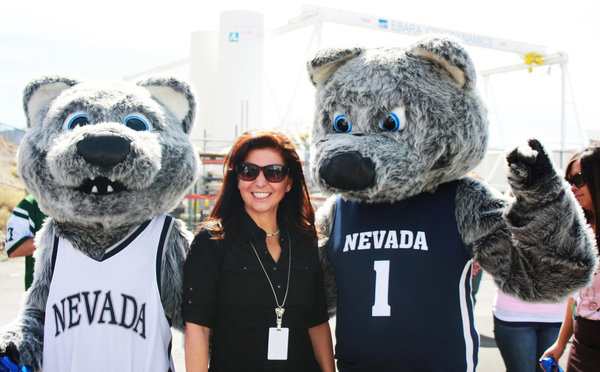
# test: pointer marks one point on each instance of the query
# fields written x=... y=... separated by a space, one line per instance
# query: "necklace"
x=274 y=234
x=279 y=310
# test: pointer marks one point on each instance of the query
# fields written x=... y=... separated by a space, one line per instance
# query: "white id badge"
x=278 y=343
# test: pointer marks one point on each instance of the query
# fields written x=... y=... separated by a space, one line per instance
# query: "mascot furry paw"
x=395 y=131
x=105 y=161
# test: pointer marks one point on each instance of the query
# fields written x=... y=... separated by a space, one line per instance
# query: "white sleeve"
x=18 y=229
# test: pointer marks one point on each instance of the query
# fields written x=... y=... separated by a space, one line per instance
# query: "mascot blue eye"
x=78 y=119
x=394 y=121
x=342 y=124
x=137 y=122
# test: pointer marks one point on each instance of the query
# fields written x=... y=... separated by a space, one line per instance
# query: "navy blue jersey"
x=404 y=286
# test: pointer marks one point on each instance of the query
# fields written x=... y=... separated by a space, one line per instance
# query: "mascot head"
x=391 y=123
x=107 y=154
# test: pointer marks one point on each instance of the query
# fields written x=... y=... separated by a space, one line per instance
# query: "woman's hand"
x=564 y=335
x=555 y=351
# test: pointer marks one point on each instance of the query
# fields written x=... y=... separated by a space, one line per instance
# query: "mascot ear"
x=177 y=96
x=327 y=61
x=450 y=55
x=39 y=93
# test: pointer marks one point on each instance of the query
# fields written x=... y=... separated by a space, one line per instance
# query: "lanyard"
x=279 y=310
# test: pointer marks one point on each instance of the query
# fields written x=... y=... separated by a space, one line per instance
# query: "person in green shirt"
x=24 y=222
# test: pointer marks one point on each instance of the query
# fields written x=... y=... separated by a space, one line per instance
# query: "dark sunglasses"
x=577 y=180
x=273 y=173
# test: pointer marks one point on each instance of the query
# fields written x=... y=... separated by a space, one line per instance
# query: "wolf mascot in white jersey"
x=106 y=161
x=395 y=131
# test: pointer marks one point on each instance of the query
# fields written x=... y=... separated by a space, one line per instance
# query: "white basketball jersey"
x=107 y=315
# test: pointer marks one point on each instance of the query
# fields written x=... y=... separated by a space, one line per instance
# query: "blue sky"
x=113 y=39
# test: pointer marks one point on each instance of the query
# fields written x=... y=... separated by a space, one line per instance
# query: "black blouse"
x=226 y=290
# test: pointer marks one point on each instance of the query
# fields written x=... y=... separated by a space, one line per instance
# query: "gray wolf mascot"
x=106 y=161
x=395 y=131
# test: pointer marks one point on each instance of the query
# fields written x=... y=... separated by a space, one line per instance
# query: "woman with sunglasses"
x=252 y=280
x=582 y=318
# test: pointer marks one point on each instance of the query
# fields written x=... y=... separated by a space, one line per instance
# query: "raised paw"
x=530 y=164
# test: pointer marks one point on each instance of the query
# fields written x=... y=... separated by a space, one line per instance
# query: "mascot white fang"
x=105 y=161
x=395 y=131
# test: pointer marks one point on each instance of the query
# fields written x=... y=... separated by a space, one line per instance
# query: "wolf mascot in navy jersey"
x=106 y=161
x=395 y=131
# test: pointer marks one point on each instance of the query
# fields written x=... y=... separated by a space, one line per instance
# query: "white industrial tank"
x=226 y=72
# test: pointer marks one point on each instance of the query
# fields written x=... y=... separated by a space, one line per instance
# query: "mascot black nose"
x=348 y=171
x=104 y=151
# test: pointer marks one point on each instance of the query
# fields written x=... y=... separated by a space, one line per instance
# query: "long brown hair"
x=295 y=209
x=590 y=169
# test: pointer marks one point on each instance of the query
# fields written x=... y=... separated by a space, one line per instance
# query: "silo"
x=239 y=99
x=203 y=78
x=226 y=72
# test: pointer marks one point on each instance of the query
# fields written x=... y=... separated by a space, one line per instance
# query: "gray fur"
x=368 y=87
x=324 y=221
x=172 y=272
x=537 y=246
x=27 y=331
x=159 y=168
x=40 y=92
x=159 y=87
x=544 y=256
x=329 y=60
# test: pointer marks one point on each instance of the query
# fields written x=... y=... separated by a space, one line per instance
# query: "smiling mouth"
x=101 y=186
x=261 y=195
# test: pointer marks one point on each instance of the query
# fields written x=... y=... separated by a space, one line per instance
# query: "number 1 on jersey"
x=382 y=281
